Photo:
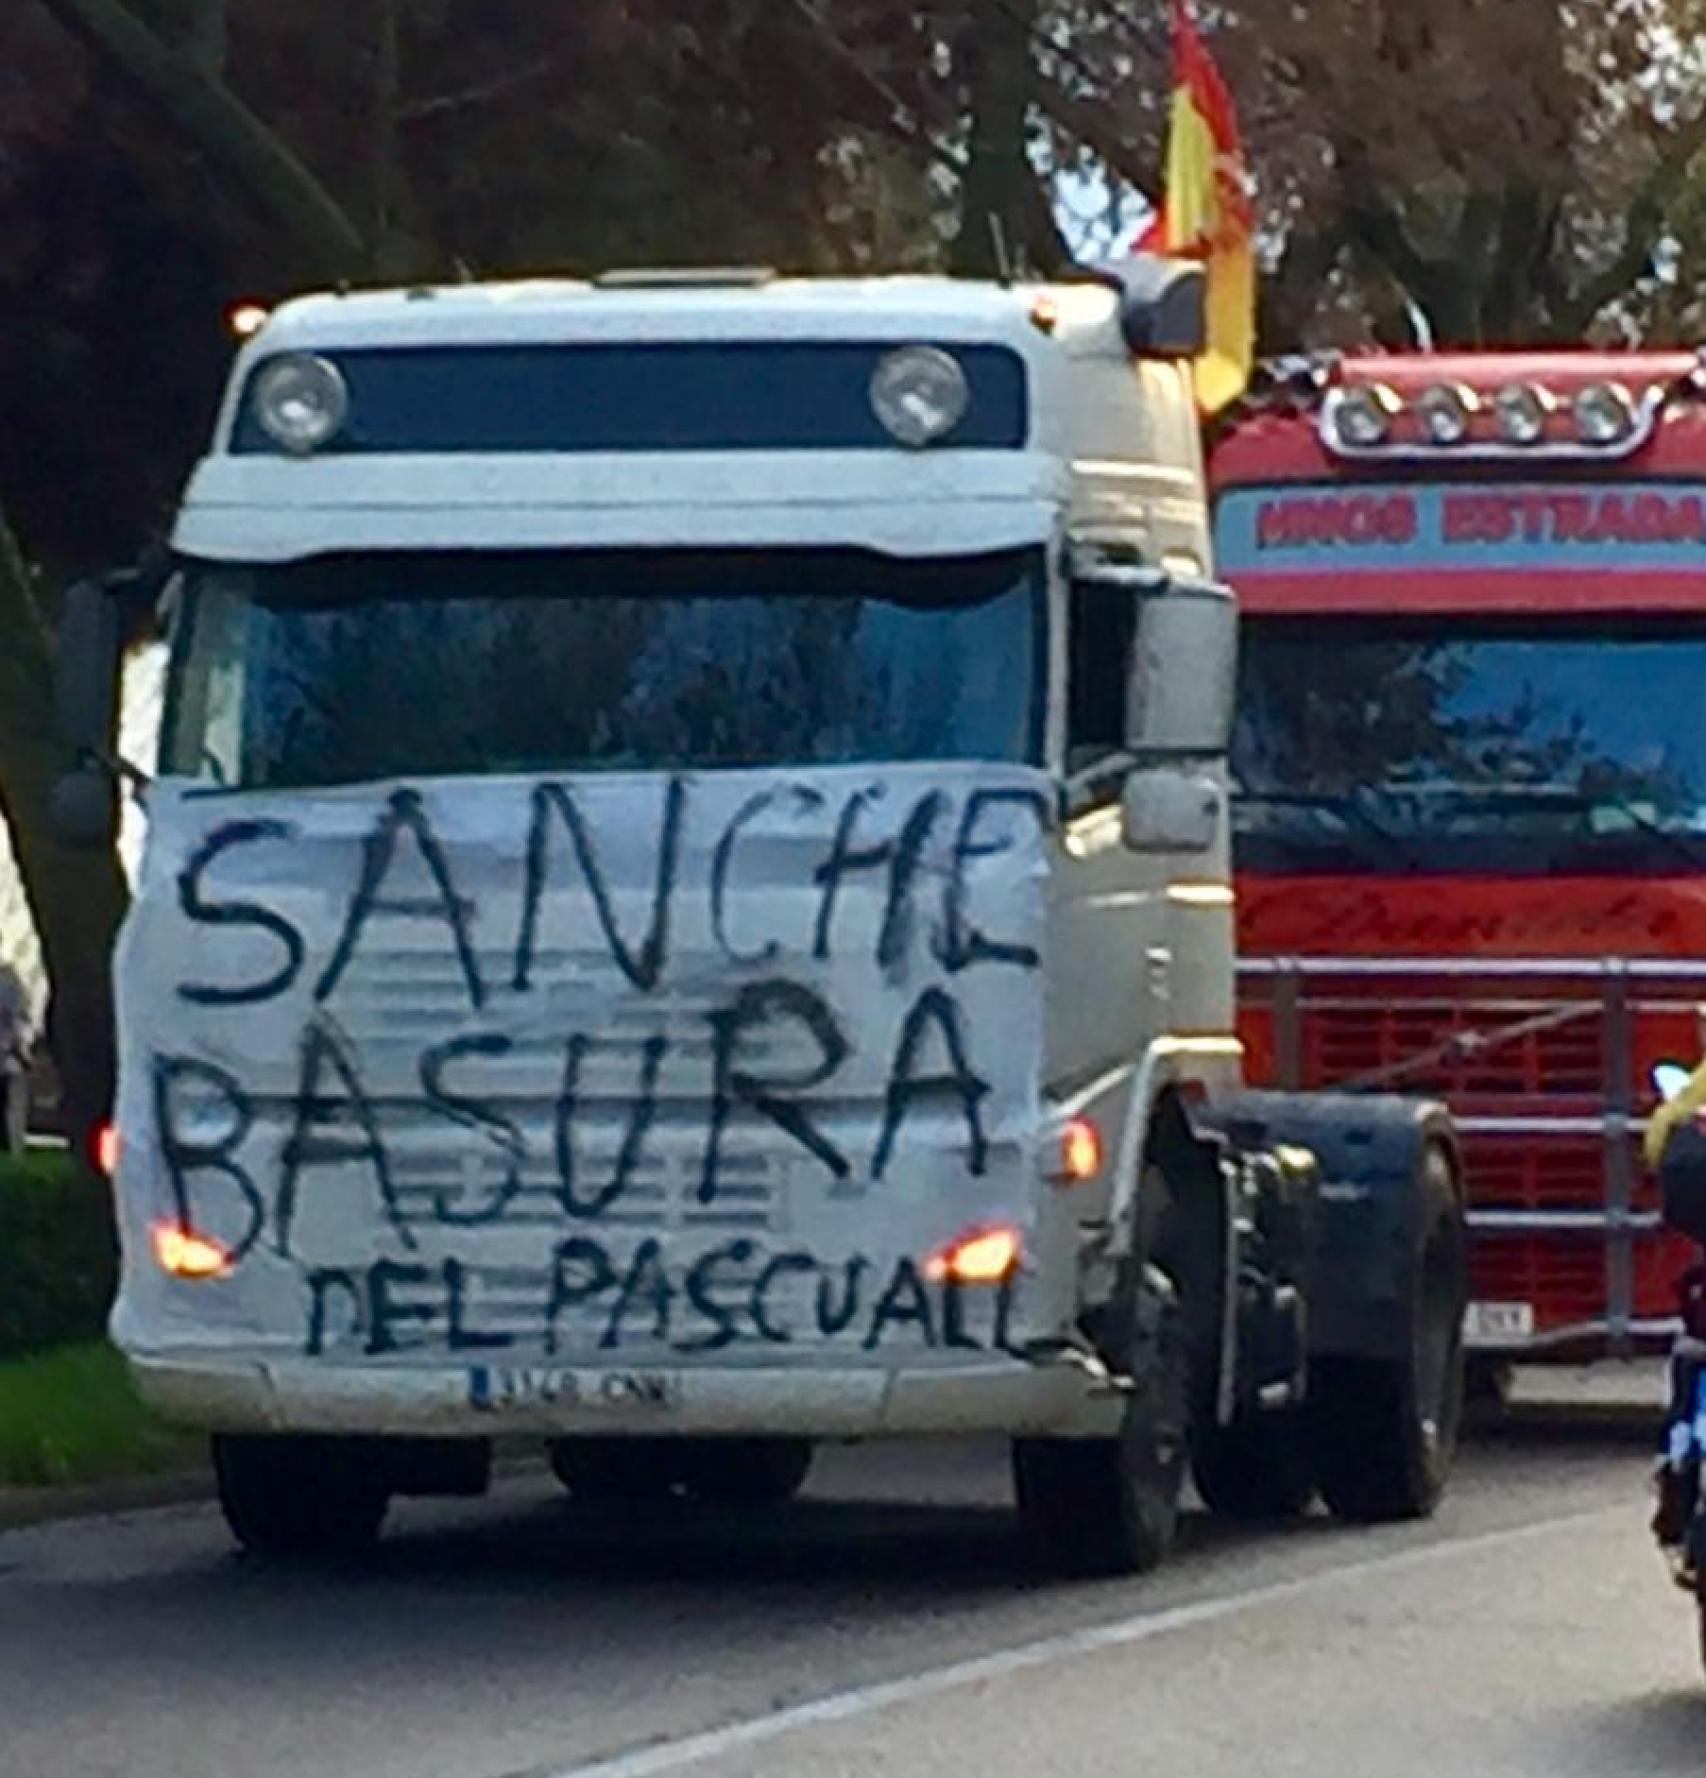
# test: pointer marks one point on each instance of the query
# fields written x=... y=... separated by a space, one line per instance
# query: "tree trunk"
x=77 y=899
x=997 y=195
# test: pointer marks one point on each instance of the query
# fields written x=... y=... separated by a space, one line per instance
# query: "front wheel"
x=1110 y=1506
x=1386 y=1431
x=301 y=1497
x=1260 y=1469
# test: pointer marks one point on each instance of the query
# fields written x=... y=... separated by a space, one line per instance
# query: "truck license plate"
x=1493 y=1324
x=496 y=1388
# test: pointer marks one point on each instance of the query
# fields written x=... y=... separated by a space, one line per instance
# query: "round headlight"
x=920 y=394
x=1446 y=411
x=1363 y=416
x=301 y=402
x=1605 y=413
x=1523 y=411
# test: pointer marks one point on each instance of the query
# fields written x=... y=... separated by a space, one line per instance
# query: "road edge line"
x=678 y=1753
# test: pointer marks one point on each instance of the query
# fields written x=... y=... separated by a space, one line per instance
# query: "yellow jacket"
x=1672 y=1115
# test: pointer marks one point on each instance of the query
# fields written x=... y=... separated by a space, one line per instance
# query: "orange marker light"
x=987 y=1257
x=1080 y=1151
x=246 y=319
x=185 y=1254
x=104 y=1149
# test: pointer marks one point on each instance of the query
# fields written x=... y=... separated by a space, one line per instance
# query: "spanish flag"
x=1207 y=212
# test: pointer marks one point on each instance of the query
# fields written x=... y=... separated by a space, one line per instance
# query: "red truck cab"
x=1471 y=784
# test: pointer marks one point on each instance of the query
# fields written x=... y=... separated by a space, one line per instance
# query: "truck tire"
x=301 y=1497
x=1110 y=1506
x=1386 y=1431
x=1259 y=1470
x=747 y=1472
x=615 y=1472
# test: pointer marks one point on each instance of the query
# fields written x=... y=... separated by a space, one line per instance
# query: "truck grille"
x=1524 y=1055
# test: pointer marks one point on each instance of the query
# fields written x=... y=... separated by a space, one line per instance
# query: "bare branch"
x=418 y=110
x=901 y=116
x=1088 y=123
x=209 y=114
x=208 y=37
x=17 y=587
x=1647 y=216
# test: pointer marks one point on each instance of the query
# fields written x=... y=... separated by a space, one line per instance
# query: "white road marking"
x=869 y=1700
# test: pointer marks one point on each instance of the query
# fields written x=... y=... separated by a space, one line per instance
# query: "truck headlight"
x=301 y=402
x=920 y=394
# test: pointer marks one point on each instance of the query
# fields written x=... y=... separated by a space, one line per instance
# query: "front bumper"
x=268 y=1395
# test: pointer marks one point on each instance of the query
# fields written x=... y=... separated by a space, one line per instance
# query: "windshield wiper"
x=1341 y=803
x=1567 y=801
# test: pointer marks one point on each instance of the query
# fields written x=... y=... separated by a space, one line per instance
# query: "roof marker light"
x=246 y=319
x=1523 y=410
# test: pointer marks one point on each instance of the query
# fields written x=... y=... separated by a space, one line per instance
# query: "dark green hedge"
x=57 y=1263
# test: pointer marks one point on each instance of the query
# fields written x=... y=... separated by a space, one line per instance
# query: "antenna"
x=1003 y=258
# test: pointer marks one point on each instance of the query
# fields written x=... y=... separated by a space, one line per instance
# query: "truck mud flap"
x=1371 y=1152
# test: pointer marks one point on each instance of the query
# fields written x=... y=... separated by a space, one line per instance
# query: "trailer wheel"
x=1111 y=1505
x=1260 y=1469
x=1386 y=1431
x=301 y=1497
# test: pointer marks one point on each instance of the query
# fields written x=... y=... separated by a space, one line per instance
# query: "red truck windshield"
x=1385 y=745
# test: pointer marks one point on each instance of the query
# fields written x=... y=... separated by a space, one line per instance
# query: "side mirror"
x=1163 y=305
x=86 y=690
x=1185 y=671
x=1167 y=810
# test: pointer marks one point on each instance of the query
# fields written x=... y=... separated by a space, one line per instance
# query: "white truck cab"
x=686 y=912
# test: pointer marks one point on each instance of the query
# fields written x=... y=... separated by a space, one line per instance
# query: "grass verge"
x=71 y=1415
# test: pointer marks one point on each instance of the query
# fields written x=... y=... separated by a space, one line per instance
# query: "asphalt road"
x=886 y=1625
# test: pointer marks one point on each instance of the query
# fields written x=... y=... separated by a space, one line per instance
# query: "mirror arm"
x=1112 y=765
x=116 y=767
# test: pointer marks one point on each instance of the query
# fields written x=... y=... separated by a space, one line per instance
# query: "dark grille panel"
x=1346 y=1040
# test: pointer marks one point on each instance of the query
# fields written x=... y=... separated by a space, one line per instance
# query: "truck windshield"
x=1381 y=745
x=353 y=668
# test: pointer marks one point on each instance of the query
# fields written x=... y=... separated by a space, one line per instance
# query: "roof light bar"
x=1605 y=420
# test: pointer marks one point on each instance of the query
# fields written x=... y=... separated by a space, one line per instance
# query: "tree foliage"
x=1491 y=169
